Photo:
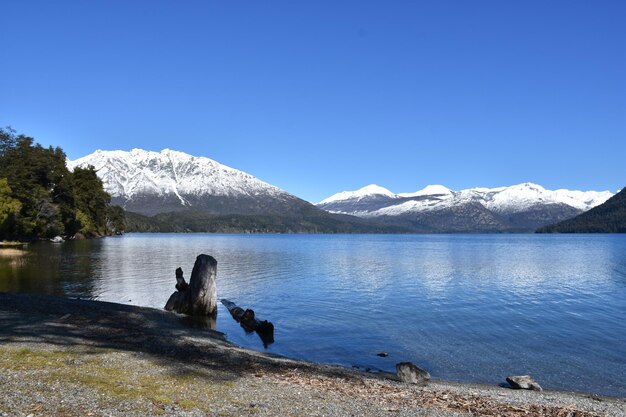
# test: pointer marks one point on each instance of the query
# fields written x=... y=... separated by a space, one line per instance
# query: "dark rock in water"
x=523 y=382
x=408 y=372
x=265 y=328
x=382 y=354
x=248 y=316
x=249 y=322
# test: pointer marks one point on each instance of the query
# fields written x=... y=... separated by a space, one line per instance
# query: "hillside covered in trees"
x=315 y=221
x=609 y=217
x=41 y=198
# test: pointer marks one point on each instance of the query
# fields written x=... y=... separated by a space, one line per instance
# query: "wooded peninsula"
x=41 y=198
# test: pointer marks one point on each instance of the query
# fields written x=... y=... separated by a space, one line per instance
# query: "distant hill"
x=437 y=209
x=609 y=217
x=203 y=222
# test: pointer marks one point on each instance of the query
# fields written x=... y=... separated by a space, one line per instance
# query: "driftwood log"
x=199 y=297
x=250 y=323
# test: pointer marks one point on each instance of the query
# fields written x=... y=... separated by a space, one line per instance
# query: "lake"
x=473 y=308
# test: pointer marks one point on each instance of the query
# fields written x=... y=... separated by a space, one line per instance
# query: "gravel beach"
x=86 y=358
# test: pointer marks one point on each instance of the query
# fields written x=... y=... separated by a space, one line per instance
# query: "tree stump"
x=199 y=297
x=250 y=323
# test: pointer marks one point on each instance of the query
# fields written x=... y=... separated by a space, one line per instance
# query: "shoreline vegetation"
x=78 y=357
x=40 y=198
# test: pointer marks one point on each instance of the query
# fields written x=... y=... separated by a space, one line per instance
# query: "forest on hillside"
x=41 y=198
x=609 y=217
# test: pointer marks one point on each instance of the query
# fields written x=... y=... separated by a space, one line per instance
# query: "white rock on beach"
x=523 y=382
x=408 y=372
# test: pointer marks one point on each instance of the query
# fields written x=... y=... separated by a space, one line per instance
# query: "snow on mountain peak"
x=128 y=174
x=522 y=196
x=367 y=191
x=374 y=189
x=512 y=199
x=428 y=190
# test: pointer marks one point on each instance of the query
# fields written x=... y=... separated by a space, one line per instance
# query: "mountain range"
x=175 y=191
x=437 y=209
x=171 y=191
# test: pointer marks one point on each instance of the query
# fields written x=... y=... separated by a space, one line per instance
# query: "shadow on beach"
x=166 y=337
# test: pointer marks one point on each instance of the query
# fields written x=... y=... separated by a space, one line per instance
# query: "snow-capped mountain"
x=154 y=182
x=608 y=217
x=159 y=182
x=367 y=192
x=521 y=207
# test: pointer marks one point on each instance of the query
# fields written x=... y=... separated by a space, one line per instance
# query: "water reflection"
x=65 y=270
x=465 y=307
x=200 y=322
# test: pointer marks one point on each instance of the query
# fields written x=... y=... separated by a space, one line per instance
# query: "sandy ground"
x=75 y=357
x=12 y=252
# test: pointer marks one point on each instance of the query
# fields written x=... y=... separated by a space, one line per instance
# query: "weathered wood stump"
x=250 y=323
x=181 y=284
x=199 y=297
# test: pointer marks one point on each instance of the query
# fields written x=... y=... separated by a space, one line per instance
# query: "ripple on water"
x=468 y=308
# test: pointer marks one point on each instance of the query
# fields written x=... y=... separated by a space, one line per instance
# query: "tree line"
x=41 y=198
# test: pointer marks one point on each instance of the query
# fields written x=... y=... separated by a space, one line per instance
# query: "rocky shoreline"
x=76 y=357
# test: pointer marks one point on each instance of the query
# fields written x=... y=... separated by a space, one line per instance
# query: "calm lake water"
x=470 y=308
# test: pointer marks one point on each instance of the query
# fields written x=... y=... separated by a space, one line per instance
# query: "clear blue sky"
x=323 y=96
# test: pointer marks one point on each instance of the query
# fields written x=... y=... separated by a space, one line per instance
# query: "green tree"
x=52 y=200
x=9 y=208
x=91 y=200
x=8 y=139
x=116 y=219
x=40 y=180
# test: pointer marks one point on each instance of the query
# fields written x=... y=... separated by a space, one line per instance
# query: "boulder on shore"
x=408 y=372
x=523 y=382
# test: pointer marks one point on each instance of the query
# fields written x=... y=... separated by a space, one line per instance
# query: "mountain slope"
x=158 y=182
x=519 y=208
x=171 y=191
x=198 y=221
x=609 y=217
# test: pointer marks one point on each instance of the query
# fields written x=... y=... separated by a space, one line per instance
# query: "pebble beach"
x=66 y=357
